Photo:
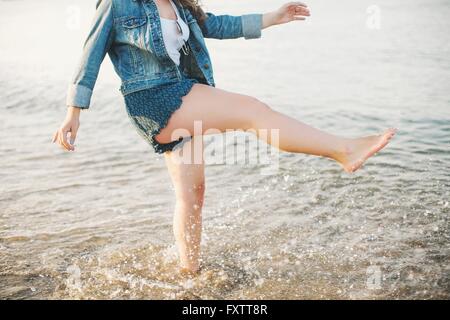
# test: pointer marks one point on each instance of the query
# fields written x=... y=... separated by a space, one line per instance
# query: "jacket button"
x=206 y=66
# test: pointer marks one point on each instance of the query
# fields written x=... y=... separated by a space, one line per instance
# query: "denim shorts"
x=150 y=110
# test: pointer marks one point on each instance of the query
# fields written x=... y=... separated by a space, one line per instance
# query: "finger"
x=299 y=11
x=60 y=143
x=55 y=136
x=63 y=139
x=299 y=18
x=296 y=3
x=73 y=136
x=68 y=144
x=302 y=11
x=60 y=139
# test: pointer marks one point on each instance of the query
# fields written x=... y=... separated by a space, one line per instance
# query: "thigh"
x=213 y=108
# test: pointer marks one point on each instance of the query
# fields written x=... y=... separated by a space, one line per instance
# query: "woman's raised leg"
x=189 y=183
x=222 y=110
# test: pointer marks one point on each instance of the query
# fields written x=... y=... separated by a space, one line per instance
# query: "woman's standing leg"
x=189 y=183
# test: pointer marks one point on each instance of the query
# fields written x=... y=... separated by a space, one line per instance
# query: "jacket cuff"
x=79 y=96
x=252 y=25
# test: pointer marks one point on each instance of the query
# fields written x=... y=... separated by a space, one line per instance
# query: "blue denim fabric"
x=150 y=110
x=130 y=32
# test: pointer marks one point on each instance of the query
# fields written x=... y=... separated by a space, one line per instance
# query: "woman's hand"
x=291 y=11
x=70 y=124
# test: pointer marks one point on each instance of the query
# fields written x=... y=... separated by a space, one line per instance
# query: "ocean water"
x=97 y=223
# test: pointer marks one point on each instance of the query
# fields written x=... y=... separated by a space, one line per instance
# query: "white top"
x=173 y=39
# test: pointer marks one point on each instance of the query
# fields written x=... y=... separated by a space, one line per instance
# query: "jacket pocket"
x=134 y=30
x=134 y=22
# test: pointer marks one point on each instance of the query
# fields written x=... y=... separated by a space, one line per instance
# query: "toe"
x=389 y=133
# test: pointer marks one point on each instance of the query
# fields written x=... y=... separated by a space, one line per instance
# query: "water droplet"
x=259 y=282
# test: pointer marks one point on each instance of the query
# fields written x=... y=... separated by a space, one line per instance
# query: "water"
x=97 y=223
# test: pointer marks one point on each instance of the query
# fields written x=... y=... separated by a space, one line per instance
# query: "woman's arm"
x=231 y=27
x=95 y=48
x=249 y=26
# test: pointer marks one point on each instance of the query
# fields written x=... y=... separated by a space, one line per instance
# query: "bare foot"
x=357 y=151
x=189 y=272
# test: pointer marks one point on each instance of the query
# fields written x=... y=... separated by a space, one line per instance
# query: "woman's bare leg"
x=222 y=110
x=189 y=183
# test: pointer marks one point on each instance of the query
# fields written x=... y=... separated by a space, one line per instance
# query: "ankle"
x=190 y=264
x=189 y=270
x=341 y=150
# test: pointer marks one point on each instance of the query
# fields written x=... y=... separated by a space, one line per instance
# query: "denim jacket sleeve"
x=95 y=48
x=248 y=26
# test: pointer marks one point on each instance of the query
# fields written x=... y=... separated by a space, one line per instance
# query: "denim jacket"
x=130 y=32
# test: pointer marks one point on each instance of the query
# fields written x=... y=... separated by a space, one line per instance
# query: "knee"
x=258 y=110
x=257 y=105
x=192 y=198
